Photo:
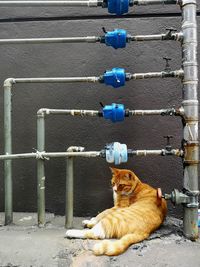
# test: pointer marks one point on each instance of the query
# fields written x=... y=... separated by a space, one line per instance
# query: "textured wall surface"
x=92 y=176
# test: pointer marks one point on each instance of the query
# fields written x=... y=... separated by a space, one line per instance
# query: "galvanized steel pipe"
x=8 y=150
x=89 y=39
x=69 y=202
x=41 y=170
x=190 y=125
x=162 y=74
x=155 y=2
x=93 y=113
x=51 y=3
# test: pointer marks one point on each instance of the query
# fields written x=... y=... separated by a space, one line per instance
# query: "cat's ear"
x=113 y=170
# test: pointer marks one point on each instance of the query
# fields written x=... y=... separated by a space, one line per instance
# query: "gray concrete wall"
x=92 y=176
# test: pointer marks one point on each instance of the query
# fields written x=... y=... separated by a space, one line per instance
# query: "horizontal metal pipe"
x=87 y=39
x=155 y=2
x=157 y=37
x=47 y=155
x=56 y=80
x=135 y=76
x=161 y=152
x=170 y=112
x=27 y=3
x=92 y=113
x=73 y=112
x=162 y=74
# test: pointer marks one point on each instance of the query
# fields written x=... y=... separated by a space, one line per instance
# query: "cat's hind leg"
x=114 y=248
x=97 y=232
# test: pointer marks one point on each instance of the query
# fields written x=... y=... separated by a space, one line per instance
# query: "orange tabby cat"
x=137 y=212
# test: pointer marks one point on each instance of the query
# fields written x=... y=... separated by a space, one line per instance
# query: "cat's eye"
x=120 y=187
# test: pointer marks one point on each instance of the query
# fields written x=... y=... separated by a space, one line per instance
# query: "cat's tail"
x=114 y=248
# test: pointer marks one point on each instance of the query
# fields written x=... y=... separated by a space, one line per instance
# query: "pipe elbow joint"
x=9 y=82
x=42 y=112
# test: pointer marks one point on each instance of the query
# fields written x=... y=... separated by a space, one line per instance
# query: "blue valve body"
x=118 y=7
x=115 y=77
x=114 y=112
x=116 y=38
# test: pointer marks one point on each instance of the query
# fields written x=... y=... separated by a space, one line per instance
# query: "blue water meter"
x=114 y=112
x=116 y=38
x=116 y=153
x=118 y=7
x=115 y=77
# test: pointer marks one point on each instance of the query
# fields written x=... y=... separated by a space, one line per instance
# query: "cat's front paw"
x=89 y=223
x=74 y=233
x=85 y=223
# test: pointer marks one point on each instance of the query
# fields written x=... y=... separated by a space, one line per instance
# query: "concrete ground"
x=24 y=244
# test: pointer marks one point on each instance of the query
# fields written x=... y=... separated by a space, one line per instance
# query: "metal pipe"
x=73 y=112
x=41 y=170
x=56 y=80
x=70 y=187
x=58 y=3
x=170 y=112
x=87 y=39
x=69 y=193
x=190 y=124
x=45 y=155
x=161 y=152
x=76 y=3
x=155 y=2
x=90 y=154
x=8 y=151
x=162 y=74
x=90 y=39
x=94 y=113
x=157 y=37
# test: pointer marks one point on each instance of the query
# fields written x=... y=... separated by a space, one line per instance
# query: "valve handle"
x=168 y=137
x=171 y=29
x=167 y=66
x=104 y=29
x=101 y=104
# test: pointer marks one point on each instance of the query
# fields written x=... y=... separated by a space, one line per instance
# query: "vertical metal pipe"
x=8 y=150
x=69 y=193
x=41 y=169
x=190 y=127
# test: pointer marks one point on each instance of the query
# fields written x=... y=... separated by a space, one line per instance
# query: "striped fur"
x=137 y=212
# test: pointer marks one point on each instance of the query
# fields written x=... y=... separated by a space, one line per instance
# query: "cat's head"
x=123 y=181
